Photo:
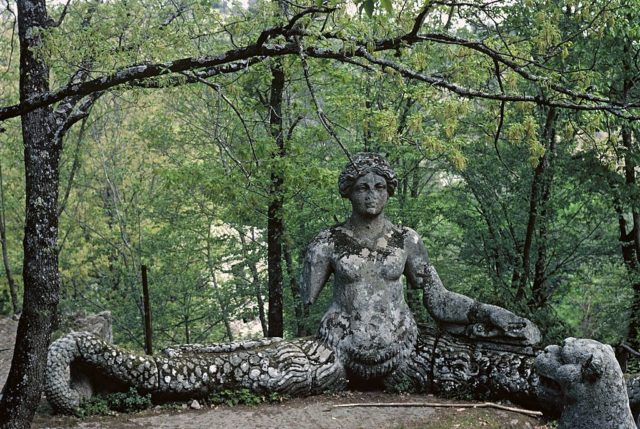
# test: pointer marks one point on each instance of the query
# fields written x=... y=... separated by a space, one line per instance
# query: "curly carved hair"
x=363 y=163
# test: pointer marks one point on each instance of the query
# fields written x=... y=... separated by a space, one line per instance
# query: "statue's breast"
x=368 y=264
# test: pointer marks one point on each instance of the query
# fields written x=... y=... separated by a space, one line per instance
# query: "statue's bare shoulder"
x=324 y=242
x=416 y=251
x=411 y=237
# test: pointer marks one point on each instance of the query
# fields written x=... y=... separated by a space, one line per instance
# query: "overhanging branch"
x=171 y=73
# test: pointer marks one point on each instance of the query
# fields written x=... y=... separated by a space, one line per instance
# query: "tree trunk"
x=295 y=292
x=539 y=292
x=275 y=225
x=40 y=270
x=537 y=190
x=148 y=330
x=13 y=288
x=216 y=289
x=629 y=236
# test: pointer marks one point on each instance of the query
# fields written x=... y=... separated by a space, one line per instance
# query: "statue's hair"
x=363 y=163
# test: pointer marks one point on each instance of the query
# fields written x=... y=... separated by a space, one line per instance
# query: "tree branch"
x=216 y=88
x=611 y=107
x=62 y=16
x=81 y=111
x=440 y=404
x=145 y=75
x=323 y=119
x=74 y=168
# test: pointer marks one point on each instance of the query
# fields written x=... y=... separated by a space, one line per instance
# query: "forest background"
x=203 y=140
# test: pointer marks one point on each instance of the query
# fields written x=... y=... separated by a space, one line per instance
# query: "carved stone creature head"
x=363 y=163
x=586 y=378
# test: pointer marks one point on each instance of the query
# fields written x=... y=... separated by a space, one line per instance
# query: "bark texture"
x=40 y=270
x=275 y=225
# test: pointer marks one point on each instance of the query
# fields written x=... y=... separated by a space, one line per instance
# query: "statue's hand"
x=490 y=321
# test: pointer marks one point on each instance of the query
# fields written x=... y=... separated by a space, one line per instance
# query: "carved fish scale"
x=439 y=363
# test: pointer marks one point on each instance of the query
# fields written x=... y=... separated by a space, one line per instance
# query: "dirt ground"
x=317 y=412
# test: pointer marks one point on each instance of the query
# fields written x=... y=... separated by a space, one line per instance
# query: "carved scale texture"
x=438 y=363
x=455 y=367
x=81 y=364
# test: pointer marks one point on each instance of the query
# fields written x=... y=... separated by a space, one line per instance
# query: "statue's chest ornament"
x=376 y=247
x=357 y=258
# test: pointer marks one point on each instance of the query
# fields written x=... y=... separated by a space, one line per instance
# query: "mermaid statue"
x=367 y=337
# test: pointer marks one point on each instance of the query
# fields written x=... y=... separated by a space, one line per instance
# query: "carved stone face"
x=369 y=195
x=585 y=378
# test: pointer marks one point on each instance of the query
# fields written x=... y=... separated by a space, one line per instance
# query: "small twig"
x=13 y=33
x=74 y=167
x=630 y=349
x=180 y=9
x=217 y=88
x=323 y=118
x=4 y=350
x=501 y=119
x=54 y=24
x=438 y=405
x=293 y=126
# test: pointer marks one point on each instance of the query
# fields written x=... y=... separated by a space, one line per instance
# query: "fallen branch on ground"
x=439 y=404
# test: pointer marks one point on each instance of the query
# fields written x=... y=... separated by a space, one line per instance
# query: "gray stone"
x=99 y=324
x=368 y=323
x=585 y=377
x=367 y=334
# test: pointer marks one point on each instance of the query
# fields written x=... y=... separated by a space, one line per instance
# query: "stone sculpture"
x=369 y=324
x=368 y=335
x=100 y=324
x=584 y=376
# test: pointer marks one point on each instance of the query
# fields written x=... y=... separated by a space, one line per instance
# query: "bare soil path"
x=299 y=413
x=309 y=413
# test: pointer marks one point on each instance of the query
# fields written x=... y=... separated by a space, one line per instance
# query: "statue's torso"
x=369 y=323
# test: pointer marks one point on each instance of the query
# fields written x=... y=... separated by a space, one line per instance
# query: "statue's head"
x=363 y=163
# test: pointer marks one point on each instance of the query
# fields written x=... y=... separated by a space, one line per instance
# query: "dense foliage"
x=521 y=203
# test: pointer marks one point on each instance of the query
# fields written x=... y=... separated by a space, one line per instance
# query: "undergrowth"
x=123 y=402
x=232 y=397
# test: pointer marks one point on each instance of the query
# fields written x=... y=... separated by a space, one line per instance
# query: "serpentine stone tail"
x=81 y=365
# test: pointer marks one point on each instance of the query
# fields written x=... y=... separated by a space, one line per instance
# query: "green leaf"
x=368 y=7
x=387 y=5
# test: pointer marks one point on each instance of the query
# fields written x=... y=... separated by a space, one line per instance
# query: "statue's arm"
x=459 y=313
x=316 y=268
x=443 y=305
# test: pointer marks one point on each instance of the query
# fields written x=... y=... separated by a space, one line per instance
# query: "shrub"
x=232 y=397
x=124 y=402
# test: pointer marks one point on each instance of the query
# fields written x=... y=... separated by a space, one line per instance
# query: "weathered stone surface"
x=439 y=363
x=99 y=324
x=369 y=324
x=81 y=365
x=585 y=377
x=367 y=335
